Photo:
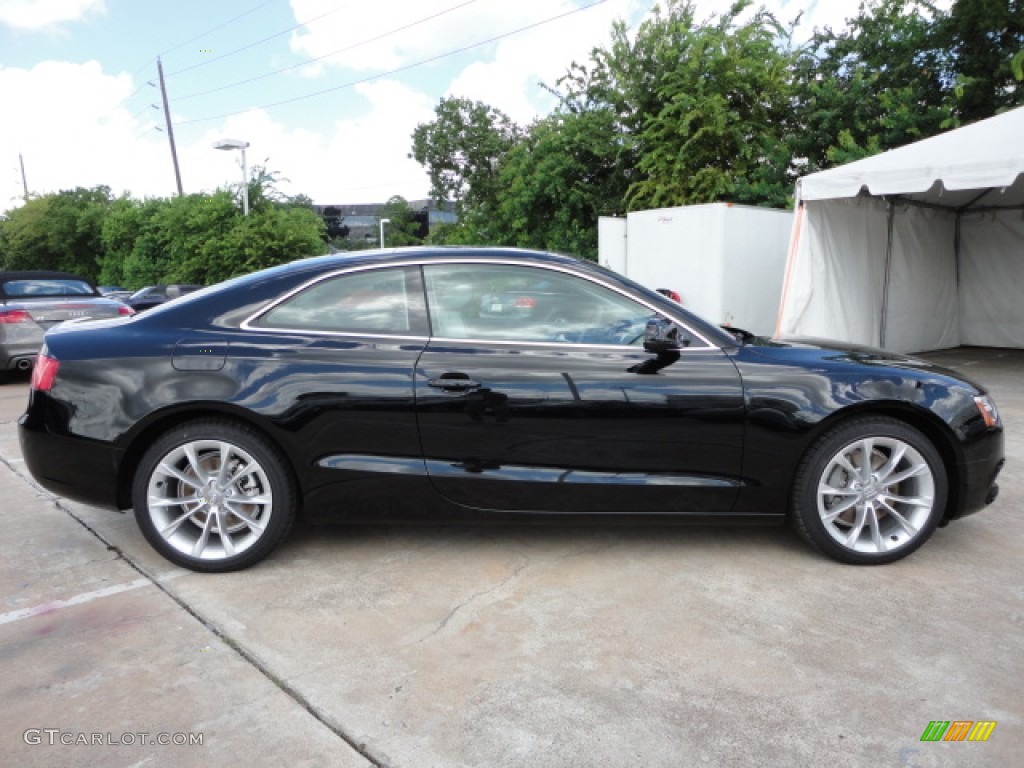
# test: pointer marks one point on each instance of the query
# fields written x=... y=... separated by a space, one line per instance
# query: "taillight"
x=11 y=316
x=526 y=302
x=125 y=311
x=44 y=372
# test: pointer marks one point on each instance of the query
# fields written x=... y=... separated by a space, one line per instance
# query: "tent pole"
x=794 y=243
x=956 y=252
x=888 y=268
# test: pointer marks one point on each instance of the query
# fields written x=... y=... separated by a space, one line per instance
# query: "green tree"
x=58 y=231
x=702 y=107
x=986 y=42
x=718 y=131
x=191 y=231
x=24 y=242
x=559 y=180
x=462 y=149
x=190 y=239
x=881 y=82
x=273 y=236
x=132 y=254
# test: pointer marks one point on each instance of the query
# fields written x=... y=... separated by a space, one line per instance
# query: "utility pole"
x=170 y=130
x=24 y=182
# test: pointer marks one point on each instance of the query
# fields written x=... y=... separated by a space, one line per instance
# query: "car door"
x=545 y=400
x=331 y=365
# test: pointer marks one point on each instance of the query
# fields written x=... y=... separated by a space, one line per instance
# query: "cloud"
x=364 y=38
x=507 y=72
x=37 y=14
x=80 y=134
x=511 y=79
x=71 y=132
x=354 y=160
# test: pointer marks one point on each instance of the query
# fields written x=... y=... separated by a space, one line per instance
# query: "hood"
x=830 y=353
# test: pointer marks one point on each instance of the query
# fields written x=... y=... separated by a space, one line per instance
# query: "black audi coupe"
x=441 y=379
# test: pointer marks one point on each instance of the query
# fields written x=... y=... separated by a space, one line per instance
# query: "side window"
x=529 y=304
x=375 y=301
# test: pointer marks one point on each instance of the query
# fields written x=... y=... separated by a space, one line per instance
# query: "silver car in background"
x=32 y=302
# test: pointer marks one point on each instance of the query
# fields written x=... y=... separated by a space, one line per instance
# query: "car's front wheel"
x=213 y=496
x=870 y=491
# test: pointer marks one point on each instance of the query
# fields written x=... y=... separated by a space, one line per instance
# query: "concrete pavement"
x=515 y=646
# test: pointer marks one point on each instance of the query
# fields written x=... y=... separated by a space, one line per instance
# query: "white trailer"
x=726 y=261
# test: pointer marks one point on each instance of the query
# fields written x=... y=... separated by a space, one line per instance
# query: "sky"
x=326 y=92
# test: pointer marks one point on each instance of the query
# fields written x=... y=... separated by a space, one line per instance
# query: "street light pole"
x=229 y=144
x=245 y=183
x=382 y=223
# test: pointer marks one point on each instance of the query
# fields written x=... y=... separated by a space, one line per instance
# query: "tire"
x=875 y=516
x=202 y=518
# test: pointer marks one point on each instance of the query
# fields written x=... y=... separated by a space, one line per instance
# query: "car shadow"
x=398 y=531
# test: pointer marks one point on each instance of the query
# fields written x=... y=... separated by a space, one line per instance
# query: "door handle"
x=454 y=382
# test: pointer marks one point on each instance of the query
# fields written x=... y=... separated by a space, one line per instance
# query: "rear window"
x=34 y=288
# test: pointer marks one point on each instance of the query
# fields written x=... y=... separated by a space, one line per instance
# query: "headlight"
x=987 y=408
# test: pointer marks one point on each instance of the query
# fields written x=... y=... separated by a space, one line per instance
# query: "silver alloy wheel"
x=876 y=495
x=209 y=499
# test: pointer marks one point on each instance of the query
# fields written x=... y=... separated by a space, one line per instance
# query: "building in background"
x=360 y=222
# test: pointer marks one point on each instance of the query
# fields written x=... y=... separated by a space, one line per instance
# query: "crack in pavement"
x=444 y=622
x=251 y=658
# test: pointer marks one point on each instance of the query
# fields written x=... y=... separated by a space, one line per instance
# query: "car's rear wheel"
x=870 y=491
x=213 y=496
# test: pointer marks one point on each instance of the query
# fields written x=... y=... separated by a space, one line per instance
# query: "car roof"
x=434 y=252
x=40 y=274
x=296 y=271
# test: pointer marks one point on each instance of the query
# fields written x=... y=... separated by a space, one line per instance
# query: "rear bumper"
x=21 y=355
x=73 y=467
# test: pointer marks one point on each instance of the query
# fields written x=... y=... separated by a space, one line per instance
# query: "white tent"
x=918 y=248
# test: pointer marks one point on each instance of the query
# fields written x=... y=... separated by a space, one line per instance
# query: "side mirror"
x=662 y=335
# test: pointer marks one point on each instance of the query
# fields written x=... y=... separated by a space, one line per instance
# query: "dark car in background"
x=114 y=292
x=32 y=302
x=351 y=385
x=152 y=295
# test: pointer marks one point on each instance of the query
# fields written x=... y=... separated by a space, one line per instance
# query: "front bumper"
x=984 y=459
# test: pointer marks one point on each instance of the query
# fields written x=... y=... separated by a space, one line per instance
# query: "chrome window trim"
x=247 y=324
x=565 y=344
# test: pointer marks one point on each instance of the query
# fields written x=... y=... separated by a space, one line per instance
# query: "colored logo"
x=958 y=730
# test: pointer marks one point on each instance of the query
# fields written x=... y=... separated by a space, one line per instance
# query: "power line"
x=149 y=130
x=258 y=42
x=232 y=20
x=379 y=75
x=152 y=60
x=126 y=99
x=327 y=55
x=136 y=115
